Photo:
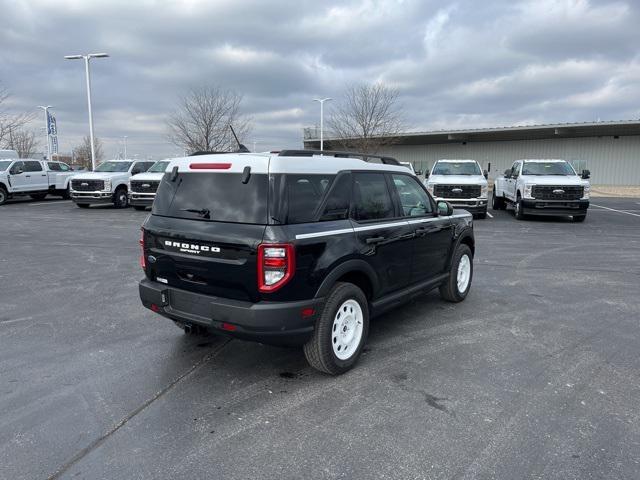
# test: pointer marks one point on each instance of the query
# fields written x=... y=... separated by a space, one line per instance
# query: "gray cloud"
x=461 y=64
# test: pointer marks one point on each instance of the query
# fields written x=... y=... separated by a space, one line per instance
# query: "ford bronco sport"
x=298 y=248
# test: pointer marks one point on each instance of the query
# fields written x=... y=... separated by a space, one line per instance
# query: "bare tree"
x=202 y=118
x=23 y=141
x=82 y=153
x=367 y=118
x=10 y=121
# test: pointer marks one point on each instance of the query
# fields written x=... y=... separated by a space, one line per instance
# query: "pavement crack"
x=99 y=441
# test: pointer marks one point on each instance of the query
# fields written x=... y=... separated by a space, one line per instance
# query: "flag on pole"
x=52 y=128
x=54 y=144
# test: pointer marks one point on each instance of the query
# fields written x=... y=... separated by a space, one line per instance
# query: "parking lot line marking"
x=14 y=320
x=489 y=215
x=49 y=203
x=614 y=210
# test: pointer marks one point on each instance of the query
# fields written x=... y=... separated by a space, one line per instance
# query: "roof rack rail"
x=330 y=153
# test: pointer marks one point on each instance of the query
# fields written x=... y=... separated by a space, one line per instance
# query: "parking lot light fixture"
x=86 y=58
x=321 y=102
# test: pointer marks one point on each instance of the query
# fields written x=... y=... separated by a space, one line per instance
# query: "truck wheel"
x=457 y=286
x=120 y=199
x=38 y=196
x=341 y=330
x=579 y=218
x=83 y=205
x=497 y=203
x=518 y=208
x=3 y=195
x=139 y=207
x=66 y=193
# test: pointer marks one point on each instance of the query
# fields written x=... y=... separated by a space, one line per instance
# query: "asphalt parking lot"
x=535 y=375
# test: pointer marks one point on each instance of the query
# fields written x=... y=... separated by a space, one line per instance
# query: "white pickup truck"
x=543 y=187
x=107 y=184
x=143 y=186
x=36 y=178
x=462 y=183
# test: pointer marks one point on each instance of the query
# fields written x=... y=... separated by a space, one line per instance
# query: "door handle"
x=374 y=240
x=27 y=176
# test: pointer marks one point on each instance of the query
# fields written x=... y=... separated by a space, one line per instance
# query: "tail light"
x=143 y=261
x=276 y=265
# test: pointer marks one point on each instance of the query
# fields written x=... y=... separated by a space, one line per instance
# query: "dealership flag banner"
x=52 y=130
x=54 y=144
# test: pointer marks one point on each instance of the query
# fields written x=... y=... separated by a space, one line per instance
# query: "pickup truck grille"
x=144 y=186
x=457 y=191
x=557 y=192
x=87 y=185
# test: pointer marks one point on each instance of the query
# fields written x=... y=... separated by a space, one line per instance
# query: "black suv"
x=298 y=248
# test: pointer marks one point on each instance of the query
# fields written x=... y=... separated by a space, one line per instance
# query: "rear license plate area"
x=190 y=303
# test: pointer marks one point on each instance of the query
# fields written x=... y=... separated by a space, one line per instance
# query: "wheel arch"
x=358 y=272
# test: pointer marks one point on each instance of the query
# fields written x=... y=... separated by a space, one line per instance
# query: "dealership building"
x=610 y=150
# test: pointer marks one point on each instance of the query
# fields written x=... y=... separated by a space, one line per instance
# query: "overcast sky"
x=456 y=64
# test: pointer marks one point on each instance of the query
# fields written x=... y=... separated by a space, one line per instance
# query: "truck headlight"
x=484 y=191
x=430 y=188
x=107 y=186
x=527 y=190
x=586 y=192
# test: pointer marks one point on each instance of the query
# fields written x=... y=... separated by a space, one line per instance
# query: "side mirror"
x=444 y=209
x=486 y=174
x=507 y=173
x=418 y=172
x=426 y=174
x=586 y=174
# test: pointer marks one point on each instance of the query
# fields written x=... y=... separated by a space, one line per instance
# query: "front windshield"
x=5 y=164
x=547 y=168
x=456 y=168
x=113 y=167
x=158 y=167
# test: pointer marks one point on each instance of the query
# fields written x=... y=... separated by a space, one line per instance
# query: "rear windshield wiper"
x=204 y=213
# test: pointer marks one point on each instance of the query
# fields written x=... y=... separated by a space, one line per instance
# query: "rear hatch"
x=206 y=224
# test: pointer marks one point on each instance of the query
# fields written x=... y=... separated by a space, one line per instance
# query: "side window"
x=64 y=167
x=16 y=167
x=53 y=166
x=371 y=199
x=138 y=167
x=337 y=205
x=31 y=166
x=515 y=170
x=147 y=165
x=414 y=200
x=304 y=194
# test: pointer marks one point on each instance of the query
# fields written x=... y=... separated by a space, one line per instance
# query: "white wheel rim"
x=464 y=273
x=346 y=331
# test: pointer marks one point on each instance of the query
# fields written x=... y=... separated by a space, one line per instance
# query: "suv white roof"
x=543 y=160
x=450 y=160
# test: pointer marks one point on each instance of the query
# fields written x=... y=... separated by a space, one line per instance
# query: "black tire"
x=497 y=203
x=139 y=207
x=66 y=194
x=449 y=290
x=518 y=208
x=579 y=218
x=38 y=196
x=3 y=196
x=319 y=351
x=83 y=205
x=120 y=199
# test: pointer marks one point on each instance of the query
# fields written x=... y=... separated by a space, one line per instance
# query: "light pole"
x=125 y=147
x=86 y=58
x=321 y=102
x=46 y=127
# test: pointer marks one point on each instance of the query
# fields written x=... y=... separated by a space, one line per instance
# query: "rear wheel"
x=457 y=286
x=3 y=195
x=579 y=218
x=341 y=330
x=38 y=196
x=497 y=203
x=518 y=208
x=120 y=199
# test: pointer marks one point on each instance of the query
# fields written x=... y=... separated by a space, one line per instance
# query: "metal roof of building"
x=518 y=132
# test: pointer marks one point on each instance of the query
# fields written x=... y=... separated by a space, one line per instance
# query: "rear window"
x=302 y=195
x=214 y=197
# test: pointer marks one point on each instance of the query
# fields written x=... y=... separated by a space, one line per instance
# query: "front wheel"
x=497 y=203
x=3 y=195
x=340 y=332
x=458 y=283
x=120 y=199
x=518 y=212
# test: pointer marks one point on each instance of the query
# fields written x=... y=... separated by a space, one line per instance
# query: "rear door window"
x=336 y=207
x=32 y=166
x=304 y=194
x=371 y=198
x=214 y=197
x=54 y=166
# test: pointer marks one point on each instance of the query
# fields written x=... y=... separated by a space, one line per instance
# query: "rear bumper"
x=277 y=323
x=141 y=199
x=555 y=207
x=91 y=197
